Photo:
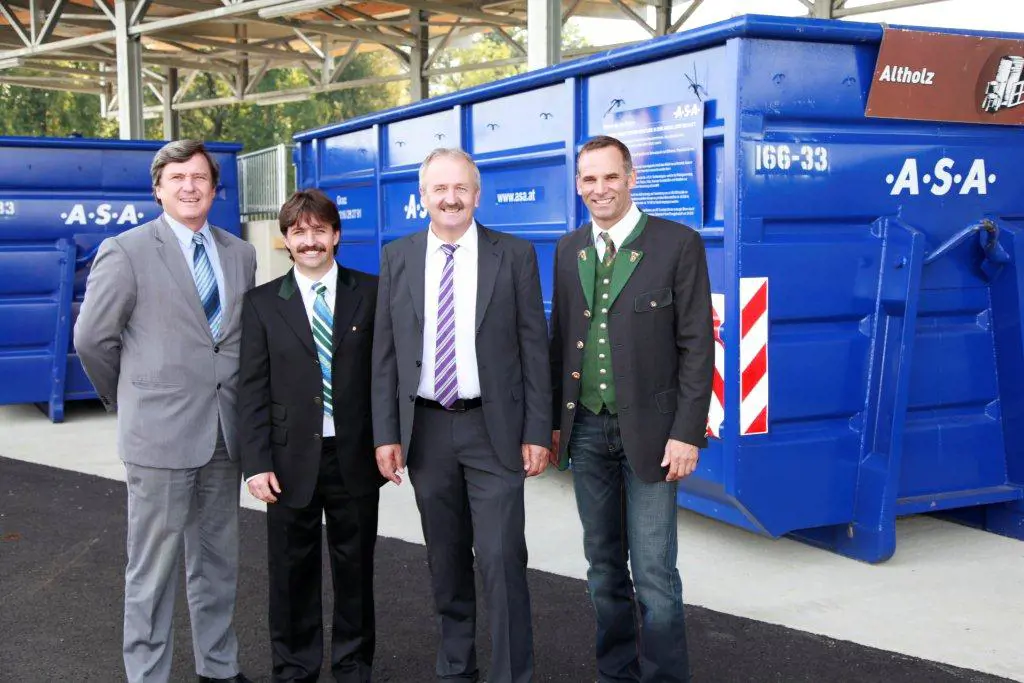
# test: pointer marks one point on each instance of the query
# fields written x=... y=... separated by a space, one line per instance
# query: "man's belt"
x=461 y=405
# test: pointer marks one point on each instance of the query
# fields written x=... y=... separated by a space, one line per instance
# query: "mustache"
x=458 y=206
x=314 y=248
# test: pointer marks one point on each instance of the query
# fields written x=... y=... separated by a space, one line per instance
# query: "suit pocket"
x=666 y=401
x=653 y=300
x=279 y=435
x=153 y=385
x=278 y=412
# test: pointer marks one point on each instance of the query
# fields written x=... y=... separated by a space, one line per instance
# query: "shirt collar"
x=621 y=230
x=467 y=243
x=184 y=233
x=329 y=280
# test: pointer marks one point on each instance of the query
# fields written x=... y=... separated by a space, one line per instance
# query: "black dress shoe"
x=237 y=678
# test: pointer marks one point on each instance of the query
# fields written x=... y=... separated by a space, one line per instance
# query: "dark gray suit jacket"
x=511 y=343
x=662 y=339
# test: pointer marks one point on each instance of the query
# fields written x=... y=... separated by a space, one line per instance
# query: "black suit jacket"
x=662 y=339
x=511 y=343
x=280 y=397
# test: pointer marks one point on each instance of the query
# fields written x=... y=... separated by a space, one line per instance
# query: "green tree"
x=489 y=47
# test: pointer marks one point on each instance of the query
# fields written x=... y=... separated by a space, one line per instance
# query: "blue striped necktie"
x=323 y=335
x=446 y=371
x=206 y=284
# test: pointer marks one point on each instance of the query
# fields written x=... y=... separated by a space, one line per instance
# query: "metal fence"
x=265 y=179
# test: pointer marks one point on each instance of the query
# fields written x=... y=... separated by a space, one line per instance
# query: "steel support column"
x=663 y=17
x=544 y=31
x=129 y=74
x=172 y=121
x=419 y=83
x=822 y=9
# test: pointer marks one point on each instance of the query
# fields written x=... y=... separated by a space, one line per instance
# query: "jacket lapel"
x=586 y=264
x=627 y=260
x=489 y=262
x=416 y=271
x=170 y=253
x=291 y=308
x=346 y=302
x=228 y=266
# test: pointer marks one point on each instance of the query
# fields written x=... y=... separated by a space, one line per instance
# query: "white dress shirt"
x=188 y=248
x=618 y=232
x=305 y=285
x=466 y=266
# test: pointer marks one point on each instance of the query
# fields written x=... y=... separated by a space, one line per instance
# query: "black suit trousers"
x=294 y=538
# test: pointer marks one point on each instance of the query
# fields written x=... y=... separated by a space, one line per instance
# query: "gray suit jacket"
x=144 y=342
x=511 y=343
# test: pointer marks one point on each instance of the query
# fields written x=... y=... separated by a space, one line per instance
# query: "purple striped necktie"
x=446 y=379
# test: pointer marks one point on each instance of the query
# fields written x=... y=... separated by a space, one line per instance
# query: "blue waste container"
x=867 y=272
x=59 y=198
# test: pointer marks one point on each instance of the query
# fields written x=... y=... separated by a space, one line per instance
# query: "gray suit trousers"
x=469 y=501
x=169 y=508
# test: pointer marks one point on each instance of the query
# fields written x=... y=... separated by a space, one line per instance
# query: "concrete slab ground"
x=951 y=594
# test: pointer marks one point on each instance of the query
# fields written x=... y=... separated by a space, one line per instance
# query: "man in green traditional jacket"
x=632 y=359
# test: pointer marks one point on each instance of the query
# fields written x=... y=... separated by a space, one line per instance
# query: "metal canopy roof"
x=125 y=47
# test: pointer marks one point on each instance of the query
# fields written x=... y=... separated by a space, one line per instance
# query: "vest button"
x=654 y=304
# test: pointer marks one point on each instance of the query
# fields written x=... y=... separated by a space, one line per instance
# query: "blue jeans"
x=641 y=632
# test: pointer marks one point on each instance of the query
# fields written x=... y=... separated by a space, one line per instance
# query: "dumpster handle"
x=87 y=257
x=956 y=240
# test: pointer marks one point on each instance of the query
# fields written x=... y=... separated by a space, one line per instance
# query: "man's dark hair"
x=309 y=204
x=600 y=142
x=178 y=152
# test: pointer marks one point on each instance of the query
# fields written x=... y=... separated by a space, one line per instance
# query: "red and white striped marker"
x=753 y=355
x=716 y=412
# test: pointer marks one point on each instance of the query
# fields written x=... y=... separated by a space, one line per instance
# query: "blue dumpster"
x=59 y=198
x=867 y=272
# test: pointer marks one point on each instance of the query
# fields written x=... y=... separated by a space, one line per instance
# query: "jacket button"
x=317 y=400
x=218 y=386
x=411 y=398
x=216 y=349
x=586 y=314
x=570 y=405
x=419 y=363
x=579 y=344
x=316 y=361
x=654 y=304
x=316 y=436
x=575 y=375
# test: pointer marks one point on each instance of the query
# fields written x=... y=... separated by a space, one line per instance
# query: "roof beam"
x=461 y=11
x=12 y=21
x=51 y=21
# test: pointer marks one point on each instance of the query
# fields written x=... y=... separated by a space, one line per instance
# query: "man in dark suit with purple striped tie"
x=461 y=389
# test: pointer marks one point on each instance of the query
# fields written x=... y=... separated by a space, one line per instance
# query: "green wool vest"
x=597 y=386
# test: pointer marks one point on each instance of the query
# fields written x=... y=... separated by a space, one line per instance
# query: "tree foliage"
x=51 y=113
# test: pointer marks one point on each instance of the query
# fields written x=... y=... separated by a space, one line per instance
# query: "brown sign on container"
x=942 y=77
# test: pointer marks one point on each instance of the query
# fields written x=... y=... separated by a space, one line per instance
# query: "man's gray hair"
x=451 y=153
x=180 y=151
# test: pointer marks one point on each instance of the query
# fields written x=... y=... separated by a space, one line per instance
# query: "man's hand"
x=535 y=459
x=263 y=487
x=556 y=438
x=680 y=459
x=390 y=462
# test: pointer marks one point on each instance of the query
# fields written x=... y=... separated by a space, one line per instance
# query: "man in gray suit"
x=461 y=385
x=158 y=335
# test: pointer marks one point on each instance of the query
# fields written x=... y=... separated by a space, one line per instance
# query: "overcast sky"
x=990 y=15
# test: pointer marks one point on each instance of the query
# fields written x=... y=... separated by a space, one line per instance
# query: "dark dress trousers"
x=281 y=415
